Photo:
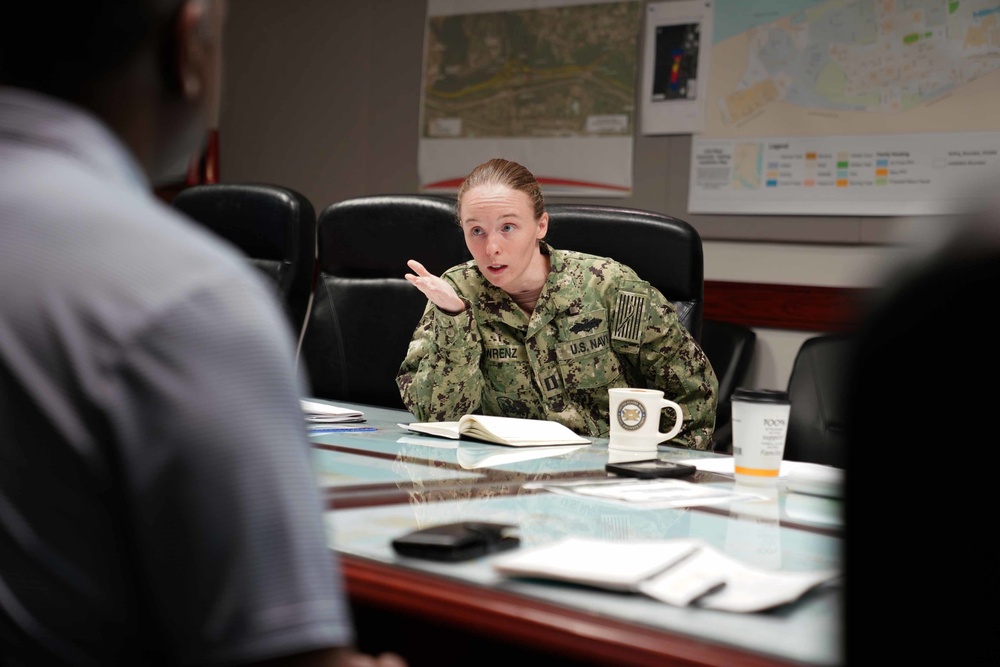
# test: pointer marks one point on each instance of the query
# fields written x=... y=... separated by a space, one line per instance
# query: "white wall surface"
x=793 y=264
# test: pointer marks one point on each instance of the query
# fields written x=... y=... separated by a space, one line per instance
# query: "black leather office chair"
x=730 y=347
x=364 y=311
x=663 y=250
x=817 y=428
x=274 y=226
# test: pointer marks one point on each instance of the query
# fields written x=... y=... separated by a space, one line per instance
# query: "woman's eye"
x=507 y=228
x=476 y=231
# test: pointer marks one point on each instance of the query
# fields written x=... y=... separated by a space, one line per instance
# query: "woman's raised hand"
x=439 y=291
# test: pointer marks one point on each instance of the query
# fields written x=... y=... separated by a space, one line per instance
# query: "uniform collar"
x=44 y=123
x=560 y=295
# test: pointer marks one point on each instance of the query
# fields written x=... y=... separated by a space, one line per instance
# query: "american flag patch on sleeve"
x=630 y=317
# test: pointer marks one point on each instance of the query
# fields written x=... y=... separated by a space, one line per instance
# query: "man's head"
x=151 y=69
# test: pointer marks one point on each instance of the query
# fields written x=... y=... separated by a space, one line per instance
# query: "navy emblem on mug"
x=631 y=414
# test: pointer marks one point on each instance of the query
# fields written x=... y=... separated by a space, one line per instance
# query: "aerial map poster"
x=548 y=84
x=849 y=107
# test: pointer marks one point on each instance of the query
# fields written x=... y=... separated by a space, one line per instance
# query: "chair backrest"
x=730 y=347
x=663 y=250
x=817 y=428
x=364 y=311
x=274 y=226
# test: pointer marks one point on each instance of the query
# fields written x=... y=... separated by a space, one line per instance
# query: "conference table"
x=384 y=481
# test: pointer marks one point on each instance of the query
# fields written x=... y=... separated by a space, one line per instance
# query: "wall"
x=324 y=97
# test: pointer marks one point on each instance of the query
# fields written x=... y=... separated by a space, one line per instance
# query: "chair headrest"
x=663 y=250
x=373 y=237
x=264 y=221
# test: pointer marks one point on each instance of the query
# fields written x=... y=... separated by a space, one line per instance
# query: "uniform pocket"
x=509 y=383
x=590 y=372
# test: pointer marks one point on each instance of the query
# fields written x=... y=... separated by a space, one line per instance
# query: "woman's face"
x=502 y=235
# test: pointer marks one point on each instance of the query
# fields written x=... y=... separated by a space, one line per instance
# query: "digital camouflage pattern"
x=596 y=325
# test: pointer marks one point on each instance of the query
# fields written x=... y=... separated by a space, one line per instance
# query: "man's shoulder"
x=127 y=260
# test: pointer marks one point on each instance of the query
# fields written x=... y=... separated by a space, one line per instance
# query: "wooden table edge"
x=535 y=622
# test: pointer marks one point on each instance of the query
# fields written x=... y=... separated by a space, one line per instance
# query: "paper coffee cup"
x=760 y=424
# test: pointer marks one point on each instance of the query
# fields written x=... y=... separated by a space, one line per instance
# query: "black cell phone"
x=457 y=541
x=651 y=468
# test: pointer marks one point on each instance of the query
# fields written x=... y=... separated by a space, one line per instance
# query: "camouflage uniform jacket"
x=596 y=325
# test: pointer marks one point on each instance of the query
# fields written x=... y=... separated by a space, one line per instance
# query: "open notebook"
x=510 y=431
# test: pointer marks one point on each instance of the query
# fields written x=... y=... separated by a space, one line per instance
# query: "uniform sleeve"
x=669 y=359
x=440 y=379
x=220 y=492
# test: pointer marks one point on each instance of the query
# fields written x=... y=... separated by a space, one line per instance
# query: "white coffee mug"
x=635 y=419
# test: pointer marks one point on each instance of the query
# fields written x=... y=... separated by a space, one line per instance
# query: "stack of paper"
x=680 y=572
x=320 y=411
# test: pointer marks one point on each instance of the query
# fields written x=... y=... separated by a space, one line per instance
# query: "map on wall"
x=551 y=86
x=675 y=66
x=858 y=107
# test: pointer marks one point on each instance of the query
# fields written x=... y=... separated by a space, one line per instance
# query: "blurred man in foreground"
x=157 y=503
x=923 y=385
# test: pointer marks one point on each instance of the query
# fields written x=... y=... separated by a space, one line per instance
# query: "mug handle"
x=678 y=419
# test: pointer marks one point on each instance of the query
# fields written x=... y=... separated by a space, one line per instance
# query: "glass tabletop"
x=385 y=482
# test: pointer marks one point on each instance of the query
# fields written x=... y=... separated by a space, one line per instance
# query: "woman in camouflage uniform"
x=526 y=330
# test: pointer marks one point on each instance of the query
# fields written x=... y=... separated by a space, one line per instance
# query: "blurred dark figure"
x=923 y=397
x=157 y=500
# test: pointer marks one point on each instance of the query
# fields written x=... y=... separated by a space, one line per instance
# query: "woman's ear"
x=543 y=226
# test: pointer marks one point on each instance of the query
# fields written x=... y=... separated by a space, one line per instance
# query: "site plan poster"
x=548 y=84
x=849 y=107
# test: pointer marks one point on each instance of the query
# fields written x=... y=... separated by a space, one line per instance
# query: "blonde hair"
x=503 y=172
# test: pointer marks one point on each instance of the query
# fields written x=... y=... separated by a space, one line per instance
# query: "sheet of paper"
x=680 y=572
x=801 y=476
x=644 y=493
x=595 y=562
x=436 y=429
x=815 y=479
x=746 y=589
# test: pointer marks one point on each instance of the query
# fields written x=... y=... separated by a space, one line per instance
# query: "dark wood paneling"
x=776 y=306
